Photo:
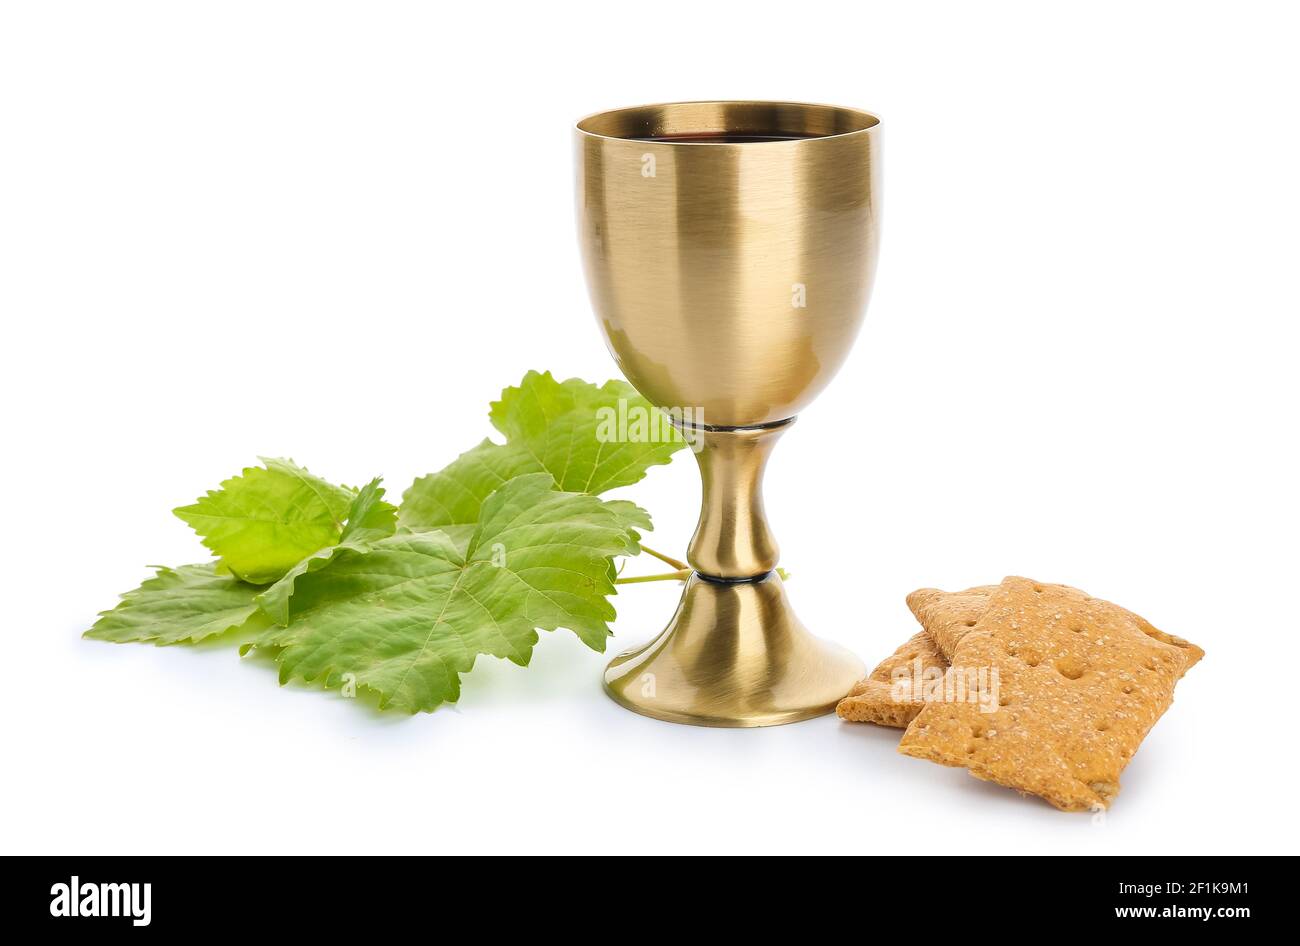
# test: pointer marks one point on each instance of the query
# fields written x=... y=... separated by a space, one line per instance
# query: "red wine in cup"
x=718 y=137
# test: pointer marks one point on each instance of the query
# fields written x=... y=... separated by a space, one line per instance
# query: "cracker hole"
x=1070 y=668
x=1077 y=630
x=1103 y=725
x=970 y=623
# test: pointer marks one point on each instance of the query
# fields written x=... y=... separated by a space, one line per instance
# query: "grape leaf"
x=508 y=539
x=410 y=614
x=266 y=520
x=450 y=499
x=181 y=605
x=585 y=436
x=369 y=519
x=630 y=514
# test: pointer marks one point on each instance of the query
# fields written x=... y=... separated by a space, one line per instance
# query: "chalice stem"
x=733 y=539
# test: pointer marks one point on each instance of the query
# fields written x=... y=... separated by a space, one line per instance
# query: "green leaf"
x=630 y=514
x=369 y=519
x=586 y=437
x=266 y=520
x=407 y=616
x=450 y=500
x=181 y=605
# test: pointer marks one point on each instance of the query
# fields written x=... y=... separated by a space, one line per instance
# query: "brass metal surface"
x=733 y=539
x=734 y=654
x=730 y=266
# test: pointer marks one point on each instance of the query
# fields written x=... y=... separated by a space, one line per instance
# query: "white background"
x=336 y=231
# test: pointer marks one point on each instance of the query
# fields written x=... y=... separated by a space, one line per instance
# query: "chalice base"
x=734 y=654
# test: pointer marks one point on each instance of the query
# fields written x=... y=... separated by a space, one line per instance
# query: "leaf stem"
x=666 y=559
x=680 y=575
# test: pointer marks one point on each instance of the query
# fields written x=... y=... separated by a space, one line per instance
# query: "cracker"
x=947 y=616
x=875 y=698
x=1079 y=683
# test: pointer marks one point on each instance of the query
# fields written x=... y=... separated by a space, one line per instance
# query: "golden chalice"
x=729 y=251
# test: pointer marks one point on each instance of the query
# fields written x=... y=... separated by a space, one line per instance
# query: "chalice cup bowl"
x=729 y=251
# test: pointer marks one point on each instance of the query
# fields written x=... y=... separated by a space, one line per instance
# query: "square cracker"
x=872 y=700
x=1080 y=683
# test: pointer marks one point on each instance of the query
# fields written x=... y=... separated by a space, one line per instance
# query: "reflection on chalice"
x=729 y=251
